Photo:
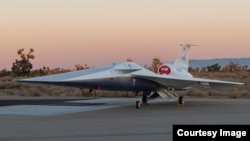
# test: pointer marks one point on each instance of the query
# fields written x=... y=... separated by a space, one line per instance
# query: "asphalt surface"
x=53 y=101
x=29 y=120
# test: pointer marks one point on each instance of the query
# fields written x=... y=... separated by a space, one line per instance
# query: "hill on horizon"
x=194 y=63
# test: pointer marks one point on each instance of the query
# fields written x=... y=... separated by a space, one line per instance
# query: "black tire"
x=180 y=101
x=144 y=99
x=138 y=105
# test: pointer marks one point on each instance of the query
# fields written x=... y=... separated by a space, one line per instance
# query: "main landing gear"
x=138 y=104
x=164 y=93
x=180 y=100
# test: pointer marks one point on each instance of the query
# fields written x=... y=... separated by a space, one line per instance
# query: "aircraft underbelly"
x=119 y=84
x=116 y=84
x=177 y=84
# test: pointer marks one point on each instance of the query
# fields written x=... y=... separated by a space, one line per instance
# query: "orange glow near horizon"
x=64 y=33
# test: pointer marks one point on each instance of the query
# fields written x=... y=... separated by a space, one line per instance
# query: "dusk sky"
x=64 y=33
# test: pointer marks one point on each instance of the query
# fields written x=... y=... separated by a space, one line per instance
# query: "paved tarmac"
x=118 y=120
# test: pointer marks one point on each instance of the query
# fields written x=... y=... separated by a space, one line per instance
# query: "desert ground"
x=9 y=87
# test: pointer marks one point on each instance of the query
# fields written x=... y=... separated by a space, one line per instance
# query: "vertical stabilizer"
x=182 y=60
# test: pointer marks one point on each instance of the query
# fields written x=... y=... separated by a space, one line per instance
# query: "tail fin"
x=183 y=59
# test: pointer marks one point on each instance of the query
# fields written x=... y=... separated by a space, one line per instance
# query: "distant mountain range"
x=221 y=61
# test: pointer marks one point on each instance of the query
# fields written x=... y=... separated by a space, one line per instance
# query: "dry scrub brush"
x=9 y=86
x=237 y=92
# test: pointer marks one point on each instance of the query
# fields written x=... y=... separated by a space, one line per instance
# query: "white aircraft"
x=128 y=76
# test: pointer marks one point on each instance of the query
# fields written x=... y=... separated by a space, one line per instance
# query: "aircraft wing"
x=185 y=82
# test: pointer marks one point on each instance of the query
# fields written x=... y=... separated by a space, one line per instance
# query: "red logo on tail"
x=164 y=70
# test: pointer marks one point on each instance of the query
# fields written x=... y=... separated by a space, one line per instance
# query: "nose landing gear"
x=144 y=100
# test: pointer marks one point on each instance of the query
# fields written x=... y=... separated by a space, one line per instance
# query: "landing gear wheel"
x=144 y=99
x=180 y=100
x=138 y=105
